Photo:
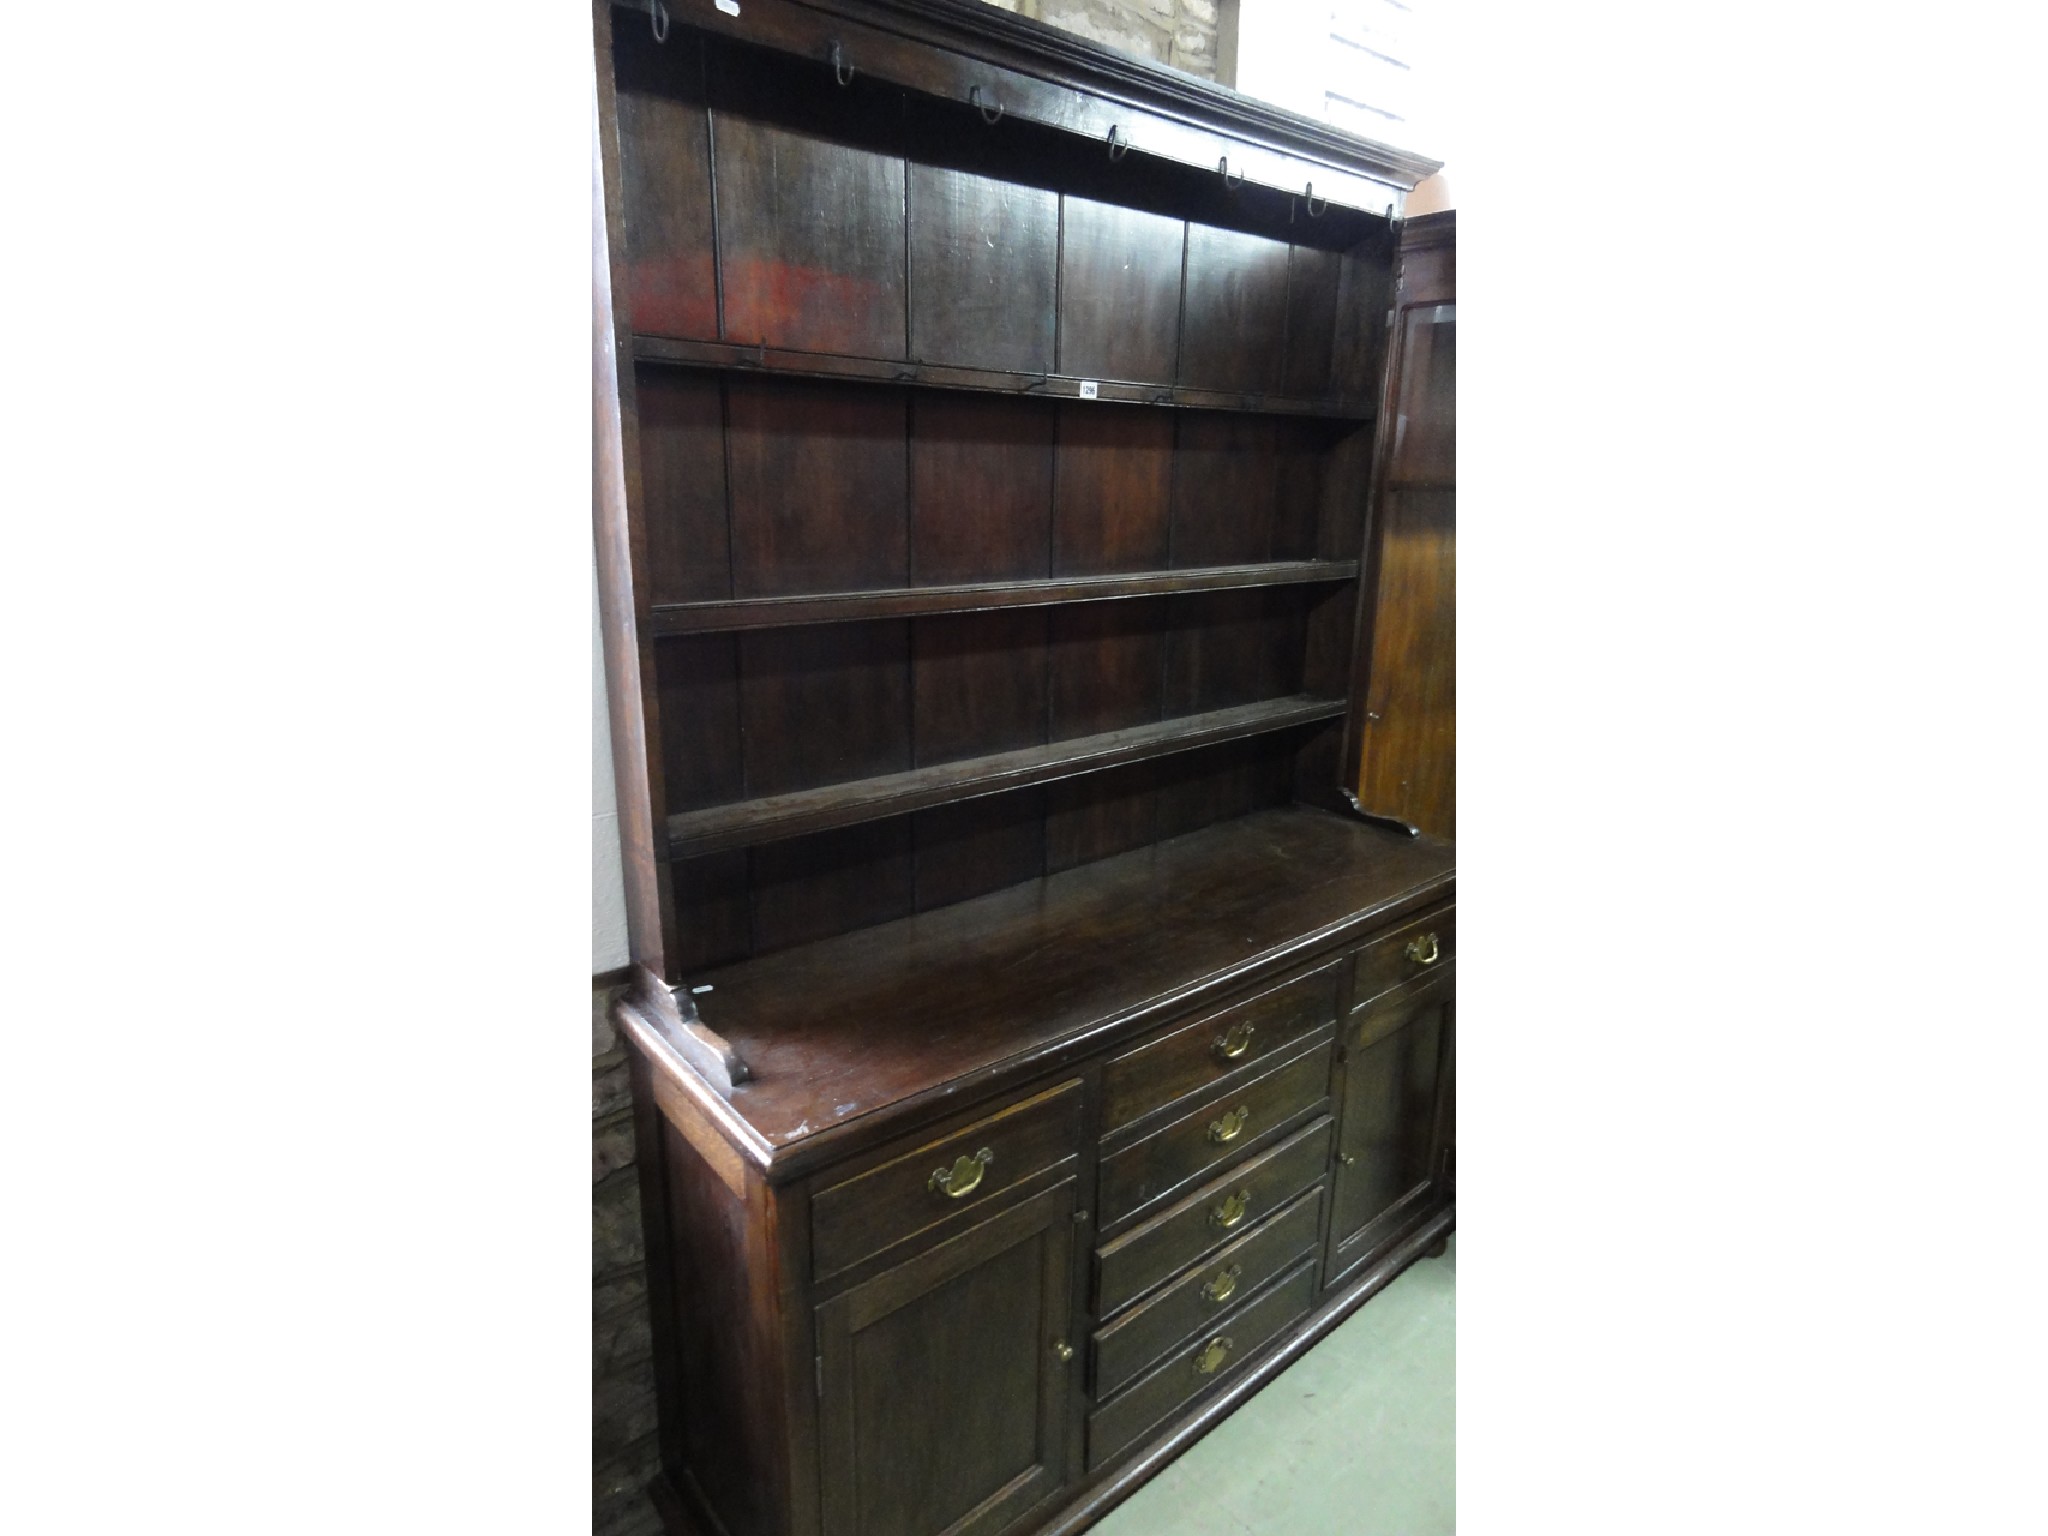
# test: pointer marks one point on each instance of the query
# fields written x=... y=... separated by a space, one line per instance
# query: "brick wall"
x=622 y=1451
x=1181 y=33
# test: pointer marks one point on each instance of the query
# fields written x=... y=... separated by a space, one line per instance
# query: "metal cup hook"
x=1117 y=151
x=974 y=99
x=841 y=70
x=657 y=13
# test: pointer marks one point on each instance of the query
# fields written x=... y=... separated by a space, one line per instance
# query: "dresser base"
x=685 y=1515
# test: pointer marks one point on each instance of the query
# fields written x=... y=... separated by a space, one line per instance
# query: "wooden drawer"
x=1216 y=1355
x=1156 y=1250
x=1386 y=961
x=1214 y=1132
x=927 y=1185
x=1196 y=1055
x=1203 y=1291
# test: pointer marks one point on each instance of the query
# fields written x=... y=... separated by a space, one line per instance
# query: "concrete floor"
x=1356 y=1438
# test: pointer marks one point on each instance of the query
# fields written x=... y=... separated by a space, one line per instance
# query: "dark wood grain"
x=854 y=1218
x=980 y=597
x=798 y=813
x=727 y=1425
x=754 y=359
x=714 y=911
x=1406 y=719
x=1358 y=333
x=665 y=168
x=1188 y=1306
x=1107 y=667
x=1175 y=1382
x=682 y=478
x=1425 y=450
x=829 y=884
x=1196 y=1056
x=1234 y=324
x=824 y=705
x=1231 y=648
x=699 y=678
x=1100 y=816
x=1199 y=1143
x=818 y=488
x=981 y=483
x=946 y=1403
x=1224 y=487
x=1112 y=499
x=619 y=545
x=1387 y=1122
x=1197 y=789
x=1120 y=276
x=1300 y=452
x=984 y=715
x=977 y=846
x=810 y=241
x=1312 y=279
x=984 y=257
x=882 y=1017
x=1386 y=962
x=978 y=684
x=1046 y=77
x=1409 y=768
x=1158 y=1248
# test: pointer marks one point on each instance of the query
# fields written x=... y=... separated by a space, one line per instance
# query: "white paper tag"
x=1087 y=389
x=730 y=7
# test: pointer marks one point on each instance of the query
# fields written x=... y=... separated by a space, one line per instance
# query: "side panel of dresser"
x=728 y=1280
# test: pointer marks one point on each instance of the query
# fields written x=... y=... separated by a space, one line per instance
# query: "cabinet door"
x=1389 y=1128
x=948 y=1382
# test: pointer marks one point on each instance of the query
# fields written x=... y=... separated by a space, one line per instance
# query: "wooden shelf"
x=898 y=602
x=774 y=817
x=1041 y=386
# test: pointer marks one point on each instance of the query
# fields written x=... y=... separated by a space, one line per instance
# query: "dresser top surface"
x=938 y=1007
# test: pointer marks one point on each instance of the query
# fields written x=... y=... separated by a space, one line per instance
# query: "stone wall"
x=1181 y=33
x=622 y=1452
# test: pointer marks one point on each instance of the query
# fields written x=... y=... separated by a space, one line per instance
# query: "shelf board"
x=745 y=823
x=899 y=602
x=1042 y=386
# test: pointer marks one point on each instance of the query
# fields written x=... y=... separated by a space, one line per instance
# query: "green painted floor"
x=1356 y=1438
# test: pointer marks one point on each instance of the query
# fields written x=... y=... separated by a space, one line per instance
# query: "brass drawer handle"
x=1224 y=1286
x=1423 y=951
x=1232 y=1210
x=964 y=1177
x=1213 y=1354
x=1234 y=1041
x=1231 y=1126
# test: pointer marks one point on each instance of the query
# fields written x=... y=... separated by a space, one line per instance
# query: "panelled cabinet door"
x=1389 y=1128
x=948 y=1382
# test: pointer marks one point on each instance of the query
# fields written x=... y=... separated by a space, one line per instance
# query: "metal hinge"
x=819 y=1361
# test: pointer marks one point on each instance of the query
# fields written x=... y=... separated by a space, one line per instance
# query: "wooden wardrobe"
x=1036 y=1046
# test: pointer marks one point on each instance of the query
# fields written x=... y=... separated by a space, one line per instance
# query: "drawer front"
x=1158 y=1249
x=1198 y=1054
x=1204 y=1292
x=1417 y=947
x=1217 y=1355
x=961 y=1171
x=1213 y=1133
